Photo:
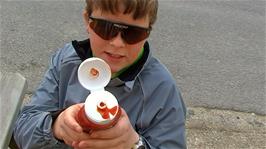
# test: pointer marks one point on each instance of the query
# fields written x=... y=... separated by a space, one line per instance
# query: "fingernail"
x=75 y=143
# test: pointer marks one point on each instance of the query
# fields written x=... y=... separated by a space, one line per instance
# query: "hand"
x=120 y=136
x=66 y=127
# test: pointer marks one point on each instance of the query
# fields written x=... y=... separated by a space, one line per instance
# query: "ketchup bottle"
x=101 y=109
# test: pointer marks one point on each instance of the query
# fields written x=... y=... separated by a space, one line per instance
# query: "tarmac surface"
x=215 y=50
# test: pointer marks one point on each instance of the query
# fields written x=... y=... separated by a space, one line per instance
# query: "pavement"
x=221 y=129
x=225 y=129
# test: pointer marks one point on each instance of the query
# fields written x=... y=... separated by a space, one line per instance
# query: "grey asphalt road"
x=215 y=49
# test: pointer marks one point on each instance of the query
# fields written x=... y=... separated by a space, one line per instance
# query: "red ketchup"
x=101 y=109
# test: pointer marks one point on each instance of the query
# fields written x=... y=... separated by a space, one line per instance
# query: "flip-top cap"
x=94 y=74
x=109 y=107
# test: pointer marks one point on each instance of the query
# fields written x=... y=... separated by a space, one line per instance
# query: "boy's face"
x=116 y=52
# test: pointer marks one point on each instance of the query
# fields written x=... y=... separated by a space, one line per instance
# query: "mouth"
x=114 y=56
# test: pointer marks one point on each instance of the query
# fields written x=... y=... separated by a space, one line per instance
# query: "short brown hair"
x=139 y=8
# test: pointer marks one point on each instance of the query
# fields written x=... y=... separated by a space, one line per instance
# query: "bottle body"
x=89 y=125
x=100 y=111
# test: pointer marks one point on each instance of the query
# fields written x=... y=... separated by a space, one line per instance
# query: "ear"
x=86 y=17
x=86 y=20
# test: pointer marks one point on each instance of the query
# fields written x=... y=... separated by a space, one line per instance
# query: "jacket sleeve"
x=33 y=126
x=164 y=119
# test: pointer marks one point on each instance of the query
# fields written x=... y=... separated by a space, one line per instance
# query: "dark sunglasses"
x=108 y=30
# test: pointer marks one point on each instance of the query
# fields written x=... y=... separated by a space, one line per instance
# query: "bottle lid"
x=94 y=74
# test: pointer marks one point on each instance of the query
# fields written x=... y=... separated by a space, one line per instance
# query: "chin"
x=115 y=70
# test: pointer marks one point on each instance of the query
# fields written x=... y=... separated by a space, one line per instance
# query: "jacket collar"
x=83 y=50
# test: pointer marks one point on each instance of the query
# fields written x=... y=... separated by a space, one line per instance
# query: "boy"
x=153 y=112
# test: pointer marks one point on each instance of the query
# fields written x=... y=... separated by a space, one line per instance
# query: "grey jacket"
x=146 y=91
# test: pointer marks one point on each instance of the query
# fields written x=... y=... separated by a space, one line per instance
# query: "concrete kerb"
x=225 y=120
x=215 y=129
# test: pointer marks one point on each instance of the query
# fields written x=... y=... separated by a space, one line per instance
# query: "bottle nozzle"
x=94 y=73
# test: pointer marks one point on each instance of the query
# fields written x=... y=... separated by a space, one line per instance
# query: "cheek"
x=93 y=37
x=134 y=54
x=88 y=29
x=135 y=51
x=136 y=48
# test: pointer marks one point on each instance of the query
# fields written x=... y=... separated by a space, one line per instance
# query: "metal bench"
x=12 y=90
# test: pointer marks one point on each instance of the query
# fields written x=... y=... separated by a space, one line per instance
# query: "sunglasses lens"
x=104 y=29
x=108 y=30
x=134 y=35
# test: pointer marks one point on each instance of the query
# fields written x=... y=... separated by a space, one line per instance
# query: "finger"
x=73 y=124
x=75 y=144
x=70 y=120
x=67 y=140
x=117 y=130
x=109 y=133
x=99 y=143
x=69 y=134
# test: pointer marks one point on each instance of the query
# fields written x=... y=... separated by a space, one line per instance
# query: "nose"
x=118 y=41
